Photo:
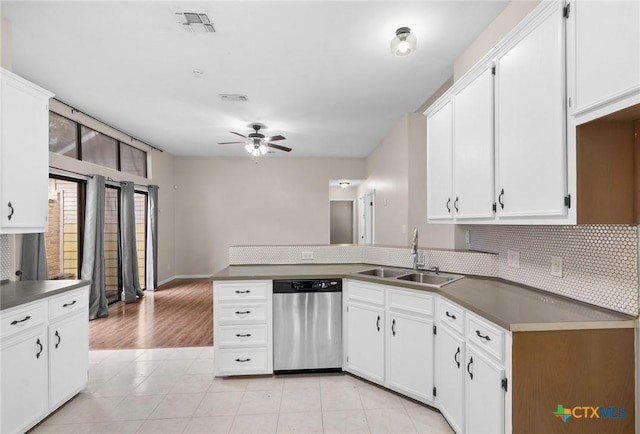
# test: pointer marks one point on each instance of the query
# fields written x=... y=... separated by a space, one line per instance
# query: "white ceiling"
x=318 y=72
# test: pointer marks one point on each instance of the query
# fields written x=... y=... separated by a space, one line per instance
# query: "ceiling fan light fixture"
x=404 y=43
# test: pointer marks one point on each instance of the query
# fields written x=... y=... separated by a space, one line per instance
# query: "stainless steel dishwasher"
x=307 y=325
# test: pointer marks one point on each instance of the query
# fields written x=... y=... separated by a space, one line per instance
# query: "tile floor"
x=173 y=390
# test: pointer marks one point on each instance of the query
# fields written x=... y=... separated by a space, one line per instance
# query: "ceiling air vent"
x=195 y=22
x=234 y=97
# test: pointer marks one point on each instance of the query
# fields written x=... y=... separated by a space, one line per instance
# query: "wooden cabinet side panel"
x=573 y=368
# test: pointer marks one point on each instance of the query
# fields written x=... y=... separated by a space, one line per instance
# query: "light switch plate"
x=556 y=266
x=307 y=255
x=513 y=259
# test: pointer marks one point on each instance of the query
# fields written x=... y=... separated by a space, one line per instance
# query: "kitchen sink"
x=382 y=272
x=428 y=278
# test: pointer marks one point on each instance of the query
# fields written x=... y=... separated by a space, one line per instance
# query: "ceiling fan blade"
x=238 y=134
x=229 y=143
x=278 y=137
x=282 y=148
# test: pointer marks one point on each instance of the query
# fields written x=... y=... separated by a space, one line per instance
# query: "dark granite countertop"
x=14 y=294
x=510 y=305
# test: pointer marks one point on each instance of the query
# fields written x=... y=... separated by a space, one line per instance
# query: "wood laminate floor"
x=178 y=314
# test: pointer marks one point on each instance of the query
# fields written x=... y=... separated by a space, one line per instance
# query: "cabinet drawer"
x=243 y=361
x=237 y=291
x=485 y=335
x=411 y=301
x=366 y=292
x=242 y=335
x=242 y=313
x=69 y=302
x=22 y=318
x=451 y=315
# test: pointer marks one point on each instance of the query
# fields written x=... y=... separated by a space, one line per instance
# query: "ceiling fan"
x=256 y=143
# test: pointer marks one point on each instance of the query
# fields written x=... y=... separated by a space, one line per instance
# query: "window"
x=98 y=148
x=140 y=200
x=111 y=243
x=63 y=239
x=63 y=135
x=133 y=160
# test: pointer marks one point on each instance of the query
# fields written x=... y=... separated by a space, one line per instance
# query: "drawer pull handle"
x=450 y=315
x=26 y=318
x=40 y=350
x=239 y=312
x=59 y=339
x=378 y=323
x=69 y=304
x=469 y=368
x=487 y=338
x=243 y=360
x=243 y=292
x=11 y=213
x=393 y=327
x=456 y=357
x=244 y=336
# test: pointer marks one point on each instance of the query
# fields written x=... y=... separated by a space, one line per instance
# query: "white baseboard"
x=185 y=276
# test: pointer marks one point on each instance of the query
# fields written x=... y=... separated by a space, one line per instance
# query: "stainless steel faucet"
x=414 y=251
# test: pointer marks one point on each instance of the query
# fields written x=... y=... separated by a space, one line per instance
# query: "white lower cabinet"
x=450 y=359
x=365 y=337
x=242 y=312
x=44 y=358
x=484 y=403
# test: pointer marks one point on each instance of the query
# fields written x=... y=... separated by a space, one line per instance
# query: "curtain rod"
x=74 y=109
x=82 y=175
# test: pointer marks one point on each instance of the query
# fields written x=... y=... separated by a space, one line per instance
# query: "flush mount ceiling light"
x=404 y=43
x=195 y=22
x=344 y=184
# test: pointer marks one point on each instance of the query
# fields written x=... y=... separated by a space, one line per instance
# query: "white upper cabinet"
x=530 y=120
x=439 y=163
x=604 y=56
x=473 y=148
x=24 y=155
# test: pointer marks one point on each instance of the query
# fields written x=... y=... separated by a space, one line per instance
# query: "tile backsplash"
x=600 y=262
x=6 y=257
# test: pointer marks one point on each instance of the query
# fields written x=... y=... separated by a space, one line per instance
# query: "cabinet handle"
x=69 y=304
x=243 y=292
x=243 y=360
x=500 y=199
x=244 y=336
x=487 y=338
x=393 y=327
x=40 y=350
x=455 y=204
x=11 y=209
x=378 y=323
x=242 y=313
x=450 y=315
x=456 y=357
x=26 y=318
x=59 y=339
x=469 y=368
x=448 y=205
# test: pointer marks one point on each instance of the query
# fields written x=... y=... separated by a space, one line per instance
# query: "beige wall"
x=498 y=29
x=338 y=193
x=221 y=202
x=6 y=49
x=387 y=174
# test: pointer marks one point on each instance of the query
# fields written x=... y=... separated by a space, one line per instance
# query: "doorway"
x=341 y=222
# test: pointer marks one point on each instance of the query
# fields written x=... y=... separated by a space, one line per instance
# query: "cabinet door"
x=25 y=158
x=365 y=341
x=24 y=381
x=439 y=164
x=484 y=394
x=530 y=127
x=606 y=51
x=473 y=172
x=450 y=377
x=410 y=356
x=68 y=358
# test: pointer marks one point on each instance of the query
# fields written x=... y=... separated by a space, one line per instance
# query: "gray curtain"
x=152 y=238
x=93 y=248
x=34 y=257
x=128 y=254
